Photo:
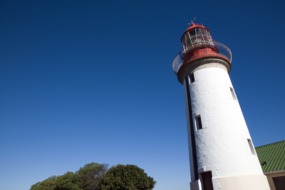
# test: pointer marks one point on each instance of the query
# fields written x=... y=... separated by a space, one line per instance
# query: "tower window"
x=198 y=122
x=251 y=146
x=192 y=78
x=233 y=93
x=206 y=178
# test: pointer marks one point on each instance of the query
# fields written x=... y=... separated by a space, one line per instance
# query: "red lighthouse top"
x=195 y=37
x=198 y=45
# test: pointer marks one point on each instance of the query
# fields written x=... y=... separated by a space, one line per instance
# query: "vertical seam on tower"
x=193 y=141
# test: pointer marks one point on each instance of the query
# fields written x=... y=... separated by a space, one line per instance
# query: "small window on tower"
x=251 y=146
x=206 y=180
x=233 y=93
x=198 y=122
x=192 y=78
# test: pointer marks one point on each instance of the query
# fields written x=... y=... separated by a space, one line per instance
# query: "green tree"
x=94 y=176
x=126 y=177
x=67 y=182
x=47 y=184
x=88 y=176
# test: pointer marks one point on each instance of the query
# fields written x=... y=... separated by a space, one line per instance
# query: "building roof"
x=272 y=156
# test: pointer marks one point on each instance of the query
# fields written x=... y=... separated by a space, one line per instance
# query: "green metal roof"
x=272 y=156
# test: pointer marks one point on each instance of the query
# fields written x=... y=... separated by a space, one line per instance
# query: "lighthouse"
x=221 y=151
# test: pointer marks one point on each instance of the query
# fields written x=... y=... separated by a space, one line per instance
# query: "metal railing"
x=219 y=47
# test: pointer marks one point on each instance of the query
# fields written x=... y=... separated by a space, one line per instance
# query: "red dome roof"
x=193 y=25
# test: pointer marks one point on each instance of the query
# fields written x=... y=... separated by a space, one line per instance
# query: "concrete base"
x=252 y=182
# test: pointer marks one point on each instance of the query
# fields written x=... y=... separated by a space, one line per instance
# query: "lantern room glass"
x=197 y=38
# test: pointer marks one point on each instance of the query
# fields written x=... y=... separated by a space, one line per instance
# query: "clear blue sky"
x=91 y=81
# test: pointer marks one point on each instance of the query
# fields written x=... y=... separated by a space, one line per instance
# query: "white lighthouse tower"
x=222 y=155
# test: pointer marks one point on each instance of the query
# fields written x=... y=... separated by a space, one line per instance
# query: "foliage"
x=48 y=184
x=67 y=182
x=126 y=177
x=94 y=176
x=86 y=178
x=89 y=176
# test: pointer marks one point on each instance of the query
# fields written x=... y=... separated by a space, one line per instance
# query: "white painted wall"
x=221 y=144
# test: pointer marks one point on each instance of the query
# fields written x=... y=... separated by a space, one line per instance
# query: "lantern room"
x=196 y=36
x=198 y=47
